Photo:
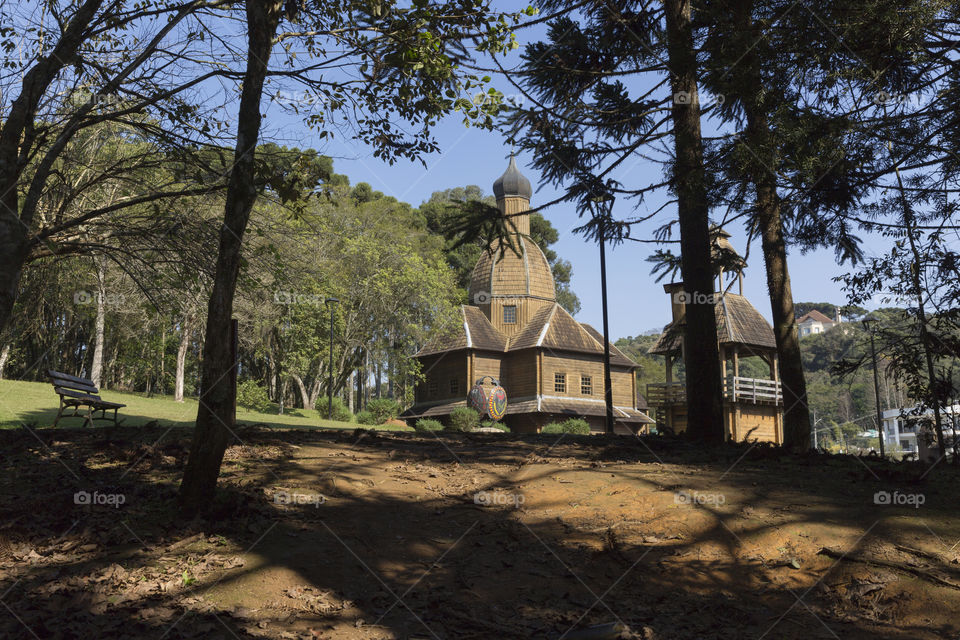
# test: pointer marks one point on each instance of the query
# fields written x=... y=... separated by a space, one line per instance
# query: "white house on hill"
x=815 y=322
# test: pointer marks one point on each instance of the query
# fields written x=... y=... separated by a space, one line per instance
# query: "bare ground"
x=372 y=535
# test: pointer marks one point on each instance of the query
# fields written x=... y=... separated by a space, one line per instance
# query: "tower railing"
x=735 y=389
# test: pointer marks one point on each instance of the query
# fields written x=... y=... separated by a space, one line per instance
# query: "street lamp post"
x=869 y=324
x=330 y=302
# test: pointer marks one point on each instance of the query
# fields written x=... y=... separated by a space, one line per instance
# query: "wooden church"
x=752 y=407
x=550 y=365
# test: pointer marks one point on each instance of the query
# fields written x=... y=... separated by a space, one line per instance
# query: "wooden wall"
x=754 y=422
x=441 y=368
x=485 y=364
x=575 y=366
x=520 y=374
x=513 y=205
x=526 y=306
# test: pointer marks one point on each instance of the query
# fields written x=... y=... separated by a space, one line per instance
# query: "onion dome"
x=512 y=183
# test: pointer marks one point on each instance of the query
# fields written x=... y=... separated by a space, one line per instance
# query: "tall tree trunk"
x=315 y=391
x=271 y=378
x=4 y=357
x=282 y=399
x=796 y=416
x=186 y=330
x=760 y=140
x=163 y=354
x=304 y=395
x=701 y=351
x=351 y=392
x=215 y=414
x=96 y=367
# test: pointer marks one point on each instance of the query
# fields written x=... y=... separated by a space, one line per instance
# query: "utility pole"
x=869 y=324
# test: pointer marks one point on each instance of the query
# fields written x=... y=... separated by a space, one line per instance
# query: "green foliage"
x=253 y=396
x=426 y=424
x=383 y=409
x=340 y=411
x=365 y=417
x=652 y=367
x=495 y=424
x=577 y=426
x=463 y=419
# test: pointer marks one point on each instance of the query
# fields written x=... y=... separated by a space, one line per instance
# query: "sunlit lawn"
x=35 y=404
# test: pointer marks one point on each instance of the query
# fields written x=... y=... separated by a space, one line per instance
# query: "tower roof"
x=512 y=183
x=738 y=322
x=722 y=253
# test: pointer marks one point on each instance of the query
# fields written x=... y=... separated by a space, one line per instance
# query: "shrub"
x=426 y=424
x=365 y=417
x=340 y=412
x=383 y=409
x=252 y=396
x=572 y=425
x=495 y=425
x=464 y=419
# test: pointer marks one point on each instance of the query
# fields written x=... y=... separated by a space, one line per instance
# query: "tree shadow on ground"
x=374 y=535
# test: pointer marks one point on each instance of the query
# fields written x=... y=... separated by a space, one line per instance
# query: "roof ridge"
x=546 y=325
x=726 y=318
x=599 y=343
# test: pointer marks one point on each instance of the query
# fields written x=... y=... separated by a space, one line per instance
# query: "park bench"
x=77 y=392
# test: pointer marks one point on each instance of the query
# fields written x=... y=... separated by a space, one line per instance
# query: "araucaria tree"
x=607 y=85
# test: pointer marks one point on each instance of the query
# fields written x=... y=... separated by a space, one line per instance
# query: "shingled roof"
x=815 y=316
x=553 y=328
x=476 y=332
x=738 y=322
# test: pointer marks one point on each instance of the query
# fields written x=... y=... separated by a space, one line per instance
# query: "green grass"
x=35 y=404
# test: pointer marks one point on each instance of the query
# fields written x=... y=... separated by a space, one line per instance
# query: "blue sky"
x=473 y=156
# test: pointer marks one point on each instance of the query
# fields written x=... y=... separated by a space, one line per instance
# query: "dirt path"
x=362 y=536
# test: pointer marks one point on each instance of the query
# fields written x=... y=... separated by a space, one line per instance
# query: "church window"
x=510 y=314
x=454 y=386
x=560 y=382
x=586 y=385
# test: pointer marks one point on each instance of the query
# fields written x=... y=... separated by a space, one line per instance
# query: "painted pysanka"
x=497 y=403
x=477 y=399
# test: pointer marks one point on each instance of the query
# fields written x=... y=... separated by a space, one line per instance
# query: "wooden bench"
x=77 y=392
